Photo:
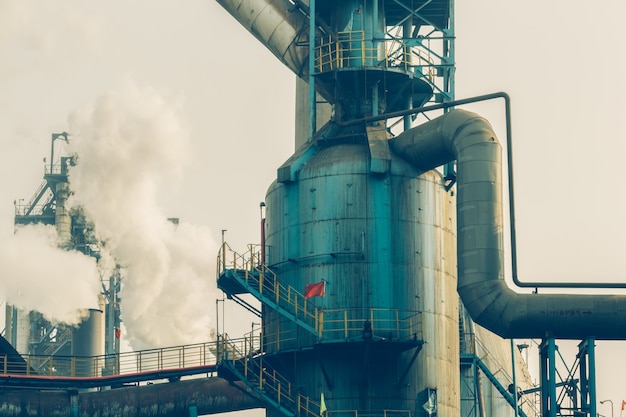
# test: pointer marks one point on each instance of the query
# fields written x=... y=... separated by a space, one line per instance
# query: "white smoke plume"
x=37 y=275
x=128 y=142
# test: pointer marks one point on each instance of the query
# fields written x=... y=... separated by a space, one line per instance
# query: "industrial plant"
x=378 y=283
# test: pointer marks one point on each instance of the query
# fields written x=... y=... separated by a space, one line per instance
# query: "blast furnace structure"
x=382 y=243
x=346 y=213
x=29 y=332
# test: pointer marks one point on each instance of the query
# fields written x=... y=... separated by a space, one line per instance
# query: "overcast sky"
x=223 y=111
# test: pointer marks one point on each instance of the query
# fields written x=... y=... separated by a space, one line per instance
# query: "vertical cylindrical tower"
x=17 y=328
x=348 y=212
x=387 y=335
x=63 y=220
x=88 y=344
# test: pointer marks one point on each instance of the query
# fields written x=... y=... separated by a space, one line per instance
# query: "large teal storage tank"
x=345 y=211
x=385 y=245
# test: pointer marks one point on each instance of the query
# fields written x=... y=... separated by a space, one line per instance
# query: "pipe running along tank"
x=365 y=213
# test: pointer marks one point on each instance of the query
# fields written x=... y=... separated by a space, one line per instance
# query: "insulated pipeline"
x=470 y=140
x=278 y=25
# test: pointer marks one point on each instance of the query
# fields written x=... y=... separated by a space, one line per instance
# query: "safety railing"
x=257 y=374
x=62 y=338
x=256 y=275
x=529 y=403
x=255 y=371
x=327 y=325
x=350 y=49
x=177 y=357
x=36 y=210
x=357 y=413
x=388 y=324
x=345 y=325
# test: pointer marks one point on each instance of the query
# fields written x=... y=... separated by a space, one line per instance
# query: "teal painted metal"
x=360 y=231
x=250 y=284
x=312 y=94
x=587 y=372
x=547 y=353
x=515 y=391
x=579 y=395
x=478 y=364
x=380 y=232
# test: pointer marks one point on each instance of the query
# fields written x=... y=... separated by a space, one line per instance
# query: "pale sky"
x=232 y=105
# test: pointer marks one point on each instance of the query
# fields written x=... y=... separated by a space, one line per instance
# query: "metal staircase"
x=240 y=361
x=246 y=359
x=473 y=360
x=246 y=274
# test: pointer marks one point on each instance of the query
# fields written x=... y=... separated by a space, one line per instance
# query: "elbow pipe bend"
x=277 y=26
x=470 y=140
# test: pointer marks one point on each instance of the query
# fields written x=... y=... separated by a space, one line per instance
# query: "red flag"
x=314 y=290
x=623 y=404
x=118 y=332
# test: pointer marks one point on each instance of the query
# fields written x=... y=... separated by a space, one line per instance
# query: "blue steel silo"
x=349 y=214
x=384 y=245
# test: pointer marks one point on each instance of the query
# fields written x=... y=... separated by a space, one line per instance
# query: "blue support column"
x=547 y=353
x=586 y=354
x=592 y=377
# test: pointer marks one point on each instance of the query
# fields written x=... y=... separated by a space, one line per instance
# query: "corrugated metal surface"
x=383 y=243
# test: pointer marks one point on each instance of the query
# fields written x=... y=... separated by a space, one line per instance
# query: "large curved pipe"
x=470 y=140
x=279 y=25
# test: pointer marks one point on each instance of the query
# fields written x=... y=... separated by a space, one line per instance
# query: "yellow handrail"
x=349 y=50
x=176 y=357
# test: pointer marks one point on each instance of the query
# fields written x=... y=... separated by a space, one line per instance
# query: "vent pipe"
x=470 y=140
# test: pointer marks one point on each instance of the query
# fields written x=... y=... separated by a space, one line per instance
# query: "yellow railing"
x=65 y=336
x=355 y=413
x=338 y=324
x=259 y=374
x=188 y=356
x=351 y=50
x=384 y=323
x=258 y=276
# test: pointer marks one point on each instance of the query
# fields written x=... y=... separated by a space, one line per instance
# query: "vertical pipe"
x=406 y=34
x=543 y=367
x=263 y=260
x=62 y=218
x=514 y=378
x=312 y=98
x=54 y=136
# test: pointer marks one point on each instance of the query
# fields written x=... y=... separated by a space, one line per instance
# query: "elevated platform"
x=436 y=12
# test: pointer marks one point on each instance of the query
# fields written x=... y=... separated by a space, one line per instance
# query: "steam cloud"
x=128 y=143
x=39 y=276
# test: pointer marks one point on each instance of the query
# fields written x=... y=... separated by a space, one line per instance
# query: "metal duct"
x=278 y=24
x=192 y=397
x=470 y=139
